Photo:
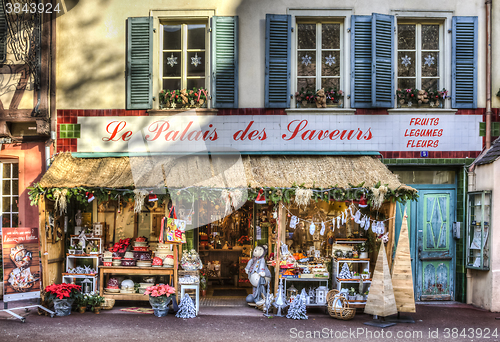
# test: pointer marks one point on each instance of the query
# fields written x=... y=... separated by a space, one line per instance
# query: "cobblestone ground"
x=456 y=322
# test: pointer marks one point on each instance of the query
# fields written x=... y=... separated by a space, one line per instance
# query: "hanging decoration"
x=312 y=228
x=61 y=200
x=90 y=196
x=152 y=196
x=293 y=222
x=226 y=199
x=306 y=60
x=171 y=60
x=406 y=60
x=261 y=197
x=139 y=196
x=322 y=231
x=303 y=196
x=378 y=196
x=429 y=60
x=330 y=60
x=196 y=60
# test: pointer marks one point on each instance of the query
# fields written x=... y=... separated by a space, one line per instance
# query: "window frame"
x=418 y=51
x=184 y=50
x=342 y=16
x=445 y=17
x=11 y=195
x=163 y=16
x=319 y=49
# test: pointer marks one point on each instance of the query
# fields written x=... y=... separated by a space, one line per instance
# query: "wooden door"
x=436 y=247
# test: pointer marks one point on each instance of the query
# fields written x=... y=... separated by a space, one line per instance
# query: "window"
x=184 y=55
x=9 y=192
x=419 y=57
x=318 y=56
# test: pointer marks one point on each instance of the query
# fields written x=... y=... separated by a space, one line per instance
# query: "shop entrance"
x=432 y=244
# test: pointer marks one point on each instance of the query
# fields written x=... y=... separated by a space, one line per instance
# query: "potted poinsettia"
x=159 y=298
x=63 y=296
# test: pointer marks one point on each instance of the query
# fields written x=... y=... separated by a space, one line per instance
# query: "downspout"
x=488 y=74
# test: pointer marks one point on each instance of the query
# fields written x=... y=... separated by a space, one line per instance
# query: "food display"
x=20 y=256
x=21 y=279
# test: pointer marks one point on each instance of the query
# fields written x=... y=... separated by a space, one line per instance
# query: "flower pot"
x=97 y=310
x=363 y=255
x=203 y=293
x=360 y=297
x=82 y=309
x=62 y=307
x=160 y=305
x=351 y=298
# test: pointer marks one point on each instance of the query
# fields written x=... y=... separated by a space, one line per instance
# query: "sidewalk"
x=435 y=322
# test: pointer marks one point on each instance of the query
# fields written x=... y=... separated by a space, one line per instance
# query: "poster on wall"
x=21 y=264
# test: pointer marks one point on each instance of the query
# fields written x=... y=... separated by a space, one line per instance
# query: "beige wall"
x=484 y=286
x=91 y=42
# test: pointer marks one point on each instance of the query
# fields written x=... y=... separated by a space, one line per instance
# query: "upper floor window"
x=419 y=58
x=318 y=55
x=184 y=55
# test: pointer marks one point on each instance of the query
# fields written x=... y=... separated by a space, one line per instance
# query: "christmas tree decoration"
x=345 y=273
x=322 y=231
x=152 y=197
x=268 y=302
x=297 y=309
x=402 y=280
x=90 y=196
x=186 y=308
x=280 y=302
x=261 y=197
x=381 y=301
x=312 y=228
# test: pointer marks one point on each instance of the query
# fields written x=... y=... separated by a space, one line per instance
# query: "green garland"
x=272 y=194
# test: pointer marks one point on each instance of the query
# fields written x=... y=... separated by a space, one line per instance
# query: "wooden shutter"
x=464 y=62
x=361 y=61
x=383 y=63
x=3 y=33
x=225 y=62
x=139 y=81
x=277 y=86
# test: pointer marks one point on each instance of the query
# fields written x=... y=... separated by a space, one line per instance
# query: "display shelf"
x=354 y=280
x=338 y=282
x=69 y=278
x=91 y=238
x=351 y=259
x=478 y=230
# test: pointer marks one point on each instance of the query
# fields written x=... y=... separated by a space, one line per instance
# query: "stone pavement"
x=437 y=322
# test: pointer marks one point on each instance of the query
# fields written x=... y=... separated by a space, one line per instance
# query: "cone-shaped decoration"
x=402 y=280
x=261 y=197
x=381 y=300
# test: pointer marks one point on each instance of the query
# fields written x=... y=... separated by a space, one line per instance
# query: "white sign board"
x=266 y=133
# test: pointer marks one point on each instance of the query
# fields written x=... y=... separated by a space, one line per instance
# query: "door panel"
x=436 y=249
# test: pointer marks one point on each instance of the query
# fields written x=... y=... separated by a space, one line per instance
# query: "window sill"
x=186 y=111
x=441 y=111
x=320 y=111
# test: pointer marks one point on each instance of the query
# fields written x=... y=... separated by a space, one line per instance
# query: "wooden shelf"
x=352 y=259
x=351 y=240
x=126 y=296
x=81 y=274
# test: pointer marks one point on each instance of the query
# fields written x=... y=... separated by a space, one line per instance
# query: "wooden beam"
x=279 y=233
x=16 y=115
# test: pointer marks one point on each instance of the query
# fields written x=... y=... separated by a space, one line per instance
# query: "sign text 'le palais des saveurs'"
x=262 y=133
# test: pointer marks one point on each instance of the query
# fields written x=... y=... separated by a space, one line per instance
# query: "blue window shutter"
x=383 y=62
x=139 y=81
x=225 y=62
x=277 y=86
x=464 y=62
x=361 y=61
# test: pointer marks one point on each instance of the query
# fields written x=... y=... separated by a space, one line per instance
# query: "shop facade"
x=252 y=94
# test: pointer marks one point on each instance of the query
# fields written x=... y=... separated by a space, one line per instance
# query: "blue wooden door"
x=435 y=262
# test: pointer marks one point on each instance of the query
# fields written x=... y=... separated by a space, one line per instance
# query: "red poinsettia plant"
x=63 y=291
x=121 y=246
x=160 y=290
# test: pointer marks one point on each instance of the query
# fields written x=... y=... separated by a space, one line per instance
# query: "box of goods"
x=307 y=275
x=188 y=277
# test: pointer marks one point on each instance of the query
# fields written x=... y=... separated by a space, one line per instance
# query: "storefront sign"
x=21 y=267
x=266 y=133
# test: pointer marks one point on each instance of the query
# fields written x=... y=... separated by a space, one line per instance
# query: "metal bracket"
x=349 y=30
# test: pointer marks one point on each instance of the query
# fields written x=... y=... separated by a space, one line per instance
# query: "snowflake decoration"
x=306 y=60
x=330 y=60
x=196 y=60
x=406 y=60
x=171 y=60
x=409 y=103
x=429 y=60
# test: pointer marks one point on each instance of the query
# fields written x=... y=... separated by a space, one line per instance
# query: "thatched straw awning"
x=219 y=171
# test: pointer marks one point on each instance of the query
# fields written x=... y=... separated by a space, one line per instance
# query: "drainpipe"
x=488 y=74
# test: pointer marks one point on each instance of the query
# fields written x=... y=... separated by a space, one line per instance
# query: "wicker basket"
x=108 y=303
x=344 y=312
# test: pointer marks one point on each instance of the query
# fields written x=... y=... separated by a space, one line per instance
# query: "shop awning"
x=219 y=171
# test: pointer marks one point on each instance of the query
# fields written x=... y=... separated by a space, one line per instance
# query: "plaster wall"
x=91 y=42
x=31 y=167
x=485 y=291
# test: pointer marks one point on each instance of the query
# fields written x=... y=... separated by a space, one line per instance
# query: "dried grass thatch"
x=219 y=171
